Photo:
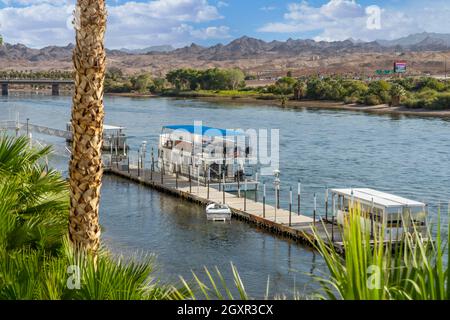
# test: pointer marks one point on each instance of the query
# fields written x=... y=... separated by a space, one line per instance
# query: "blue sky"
x=141 y=23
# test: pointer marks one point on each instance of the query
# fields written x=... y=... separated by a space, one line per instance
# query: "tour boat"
x=114 y=138
x=218 y=212
x=218 y=157
x=381 y=213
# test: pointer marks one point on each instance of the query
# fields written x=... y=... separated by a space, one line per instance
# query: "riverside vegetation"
x=35 y=252
x=414 y=93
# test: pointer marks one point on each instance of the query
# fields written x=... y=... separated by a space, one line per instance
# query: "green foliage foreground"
x=38 y=262
x=414 y=269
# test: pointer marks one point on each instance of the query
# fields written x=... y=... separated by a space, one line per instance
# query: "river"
x=408 y=156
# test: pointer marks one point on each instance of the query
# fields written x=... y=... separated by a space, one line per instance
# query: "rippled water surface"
x=405 y=156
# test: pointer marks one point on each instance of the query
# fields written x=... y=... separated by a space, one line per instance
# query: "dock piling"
x=153 y=165
x=326 y=204
x=176 y=176
x=209 y=180
x=290 y=206
x=299 y=191
x=256 y=187
x=264 y=200
x=139 y=163
x=315 y=210
x=239 y=185
x=245 y=196
x=190 y=178
x=223 y=188
x=332 y=229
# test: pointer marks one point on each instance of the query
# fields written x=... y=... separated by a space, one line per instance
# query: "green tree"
x=300 y=90
x=142 y=82
x=397 y=92
x=234 y=79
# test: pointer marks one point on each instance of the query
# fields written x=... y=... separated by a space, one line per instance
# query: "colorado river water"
x=405 y=156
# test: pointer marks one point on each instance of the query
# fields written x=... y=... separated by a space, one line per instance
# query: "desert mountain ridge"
x=250 y=54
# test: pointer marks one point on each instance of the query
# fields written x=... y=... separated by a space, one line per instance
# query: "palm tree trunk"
x=85 y=169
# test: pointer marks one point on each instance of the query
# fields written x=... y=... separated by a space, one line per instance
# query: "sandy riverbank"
x=330 y=105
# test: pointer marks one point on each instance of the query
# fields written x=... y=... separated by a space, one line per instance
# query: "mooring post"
x=276 y=203
x=333 y=204
x=161 y=170
x=332 y=229
x=28 y=127
x=264 y=200
x=190 y=178
x=256 y=188
x=371 y=219
x=290 y=206
x=176 y=175
x=139 y=163
x=209 y=178
x=198 y=180
x=238 y=185
x=153 y=166
x=128 y=162
x=299 y=192
x=223 y=188
x=326 y=205
x=278 y=197
x=315 y=208
x=245 y=196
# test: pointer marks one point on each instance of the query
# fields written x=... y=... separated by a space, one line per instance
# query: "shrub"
x=372 y=100
x=441 y=102
x=351 y=99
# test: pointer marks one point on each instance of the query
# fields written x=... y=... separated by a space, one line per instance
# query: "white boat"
x=218 y=212
x=382 y=212
x=221 y=157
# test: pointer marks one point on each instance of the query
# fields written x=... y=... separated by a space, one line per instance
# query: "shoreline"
x=382 y=109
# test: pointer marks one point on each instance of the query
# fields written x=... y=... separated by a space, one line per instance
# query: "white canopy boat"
x=221 y=157
x=218 y=212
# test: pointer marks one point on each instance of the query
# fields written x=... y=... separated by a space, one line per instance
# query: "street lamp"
x=276 y=183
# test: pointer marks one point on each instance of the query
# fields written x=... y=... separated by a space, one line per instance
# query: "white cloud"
x=131 y=24
x=222 y=4
x=343 y=19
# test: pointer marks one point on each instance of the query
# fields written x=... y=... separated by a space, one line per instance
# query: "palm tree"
x=397 y=93
x=33 y=199
x=300 y=89
x=85 y=169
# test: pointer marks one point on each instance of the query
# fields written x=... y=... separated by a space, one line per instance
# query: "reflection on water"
x=183 y=240
x=404 y=155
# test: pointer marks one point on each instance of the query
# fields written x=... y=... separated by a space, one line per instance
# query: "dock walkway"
x=279 y=221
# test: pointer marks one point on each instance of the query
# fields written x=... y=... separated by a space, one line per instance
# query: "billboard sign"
x=400 y=66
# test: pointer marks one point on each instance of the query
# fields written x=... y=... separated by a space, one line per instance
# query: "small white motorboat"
x=218 y=212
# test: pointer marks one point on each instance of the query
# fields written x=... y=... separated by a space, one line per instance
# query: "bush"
x=442 y=101
x=372 y=100
x=351 y=99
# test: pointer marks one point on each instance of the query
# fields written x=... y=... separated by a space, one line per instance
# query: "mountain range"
x=247 y=53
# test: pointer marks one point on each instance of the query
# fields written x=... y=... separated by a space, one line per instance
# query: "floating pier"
x=279 y=221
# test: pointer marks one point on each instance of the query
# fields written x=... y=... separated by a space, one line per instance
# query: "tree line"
x=33 y=74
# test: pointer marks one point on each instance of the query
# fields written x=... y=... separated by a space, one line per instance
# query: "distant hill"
x=419 y=41
x=163 y=48
x=252 y=55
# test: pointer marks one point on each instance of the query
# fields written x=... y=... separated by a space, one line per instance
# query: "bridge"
x=54 y=83
x=18 y=126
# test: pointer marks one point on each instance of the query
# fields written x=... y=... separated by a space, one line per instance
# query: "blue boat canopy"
x=206 y=131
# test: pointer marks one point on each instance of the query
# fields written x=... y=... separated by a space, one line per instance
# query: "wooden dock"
x=278 y=221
